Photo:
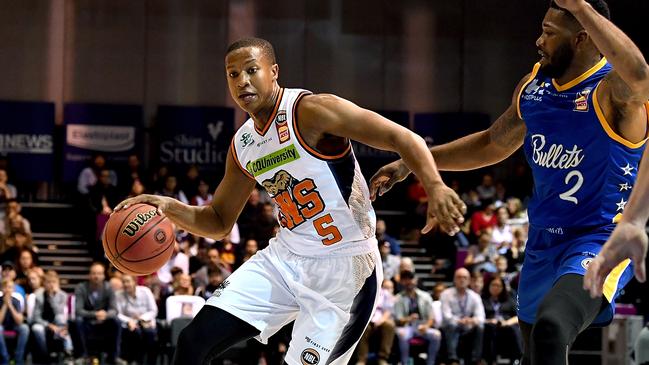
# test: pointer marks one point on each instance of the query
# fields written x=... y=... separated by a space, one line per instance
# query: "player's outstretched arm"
x=629 y=239
x=320 y=115
x=471 y=152
x=212 y=221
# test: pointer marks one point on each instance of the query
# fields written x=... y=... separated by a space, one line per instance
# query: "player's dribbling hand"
x=445 y=209
x=386 y=177
x=160 y=202
x=627 y=241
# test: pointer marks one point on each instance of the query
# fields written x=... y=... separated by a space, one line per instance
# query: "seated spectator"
x=390 y=262
x=129 y=175
x=516 y=252
x=501 y=233
x=486 y=190
x=137 y=188
x=506 y=277
x=190 y=182
x=178 y=259
x=90 y=175
x=203 y=197
x=250 y=248
x=172 y=190
x=517 y=215
x=16 y=239
x=413 y=312
x=34 y=285
x=96 y=315
x=502 y=336
x=7 y=191
x=484 y=219
x=395 y=249
x=264 y=228
x=26 y=263
x=160 y=290
x=250 y=214
x=137 y=311
x=215 y=279
x=227 y=253
x=463 y=316
x=12 y=214
x=9 y=272
x=12 y=319
x=214 y=260
x=477 y=282
x=184 y=285
x=49 y=318
x=382 y=322
x=481 y=257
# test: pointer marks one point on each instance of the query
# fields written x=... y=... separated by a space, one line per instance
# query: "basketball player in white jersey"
x=322 y=270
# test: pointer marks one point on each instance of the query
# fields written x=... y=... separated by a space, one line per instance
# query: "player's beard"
x=559 y=62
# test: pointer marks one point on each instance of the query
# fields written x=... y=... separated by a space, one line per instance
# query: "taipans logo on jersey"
x=556 y=156
x=273 y=160
x=535 y=90
x=310 y=357
x=282 y=127
x=247 y=140
x=581 y=100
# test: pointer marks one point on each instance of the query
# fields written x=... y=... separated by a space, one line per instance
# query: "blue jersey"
x=583 y=171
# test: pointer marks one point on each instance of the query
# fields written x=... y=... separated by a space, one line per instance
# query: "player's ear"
x=581 y=38
x=274 y=69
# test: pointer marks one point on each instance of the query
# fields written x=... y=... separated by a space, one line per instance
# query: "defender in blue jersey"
x=582 y=116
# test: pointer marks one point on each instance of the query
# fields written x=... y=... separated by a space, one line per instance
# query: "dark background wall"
x=420 y=56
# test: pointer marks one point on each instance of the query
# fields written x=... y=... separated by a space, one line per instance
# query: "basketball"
x=137 y=240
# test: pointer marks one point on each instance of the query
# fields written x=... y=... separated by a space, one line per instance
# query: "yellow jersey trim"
x=610 y=284
x=607 y=127
x=580 y=78
x=535 y=70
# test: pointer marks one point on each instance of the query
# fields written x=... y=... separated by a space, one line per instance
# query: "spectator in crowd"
x=49 y=317
x=516 y=252
x=191 y=181
x=129 y=175
x=472 y=201
x=7 y=191
x=437 y=291
x=12 y=319
x=502 y=336
x=137 y=188
x=481 y=257
x=501 y=233
x=161 y=291
x=463 y=316
x=203 y=195
x=184 y=285
x=265 y=226
x=26 y=262
x=214 y=261
x=159 y=177
x=250 y=248
x=381 y=235
x=137 y=311
x=215 y=278
x=483 y=220
x=90 y=175
x=172 y=190
x=390 y=262
x=9 y=272
x=178 y=259
x=413 y=311
x=96 y=315
x=250 y=214
x=437 y=303
x=227 y=253
x=12 y=215
x=517 y=215
x=382 y=322
x=477 y=282
x=34 y=283
x=502 y=272
x=486 y=190
x=501 y=193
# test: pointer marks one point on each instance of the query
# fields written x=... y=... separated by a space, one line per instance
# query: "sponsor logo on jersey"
x=273 y=160
x=535 y=90
x=310 y=357
x=247 y=140
x=581 y=100
x=282 y=127
x=586 y=262
x=556 y=156
x=138 y=222
x=219 y=289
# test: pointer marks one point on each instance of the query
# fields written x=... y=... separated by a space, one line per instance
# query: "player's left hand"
x=627 y=241
x=571 y=5
x=445 y=209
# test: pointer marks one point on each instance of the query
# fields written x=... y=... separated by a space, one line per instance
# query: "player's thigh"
x=537 y=278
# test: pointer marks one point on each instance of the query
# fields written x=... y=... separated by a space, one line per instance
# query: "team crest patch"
x=586 y=262
x=282 y=127
x=581 y=100
x=310 y=357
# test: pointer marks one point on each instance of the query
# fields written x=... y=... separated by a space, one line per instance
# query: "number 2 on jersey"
x=568 y=195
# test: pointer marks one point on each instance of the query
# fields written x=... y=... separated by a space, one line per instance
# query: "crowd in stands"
x=469 y=313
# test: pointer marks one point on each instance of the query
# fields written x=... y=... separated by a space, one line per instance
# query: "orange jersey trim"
x=272 y=115
x=238 y=163
x=305 y=145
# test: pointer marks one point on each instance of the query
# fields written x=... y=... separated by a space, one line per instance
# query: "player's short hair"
x=600 y=6
x=264 y=45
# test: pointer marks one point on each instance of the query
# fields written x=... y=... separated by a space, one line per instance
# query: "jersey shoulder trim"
x=303 y=143
x=581 y=77
x=272 y=115
x=535 y=70
x=607 y=127
x=237 y=162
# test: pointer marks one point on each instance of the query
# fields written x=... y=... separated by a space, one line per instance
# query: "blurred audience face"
x=437 y=290
x=203 y=188
x=251 y=247
x=253 y=199
x=97 y=274
x=128 y=282
x=502 y=216
x=384 y=249
x=408 y=283
x=268 y=212
x=34 y=279
x=185 y=281
x=12 y=208
x=7 y=287
x=133 y=162
x=215 y=278
x=484 y=240
x=514 y=206
x=380 y=227
x=487 y=180
x=461 y=278
x=496 y=287
x=25 y=260
x=406 y=264
x=171 y=183
x=3 y=176
x=192 y=172
x=213 y=256
x=99 y=161
x=137 y=188
x=104 y=177
x=115 y=283
x=477 y=282
x=501 y=264
x=51 y=282
x=8 y=272
x=388 y=285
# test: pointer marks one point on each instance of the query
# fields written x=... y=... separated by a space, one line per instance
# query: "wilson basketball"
x=137 y=240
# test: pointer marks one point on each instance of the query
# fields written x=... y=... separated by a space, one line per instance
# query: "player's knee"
x=548 y=328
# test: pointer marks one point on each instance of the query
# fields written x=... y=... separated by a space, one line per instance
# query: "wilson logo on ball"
x=138 y=222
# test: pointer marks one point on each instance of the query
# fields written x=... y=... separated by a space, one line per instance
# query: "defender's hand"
x=444 y=208
x=160 y=202
x=628 y=241
x=387 y=176
x=571 y=5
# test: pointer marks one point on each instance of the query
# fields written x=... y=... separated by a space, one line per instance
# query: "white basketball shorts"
x=331 y=300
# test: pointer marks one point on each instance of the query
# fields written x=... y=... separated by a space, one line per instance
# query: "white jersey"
x=323 y=201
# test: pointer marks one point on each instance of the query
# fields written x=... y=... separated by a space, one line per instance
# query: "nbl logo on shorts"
x=310 y=357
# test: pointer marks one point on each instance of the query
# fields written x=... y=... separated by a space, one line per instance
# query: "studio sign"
x=193 y=149
x=101 y=138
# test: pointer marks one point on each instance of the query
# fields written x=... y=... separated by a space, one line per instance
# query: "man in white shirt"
x=137 y=310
